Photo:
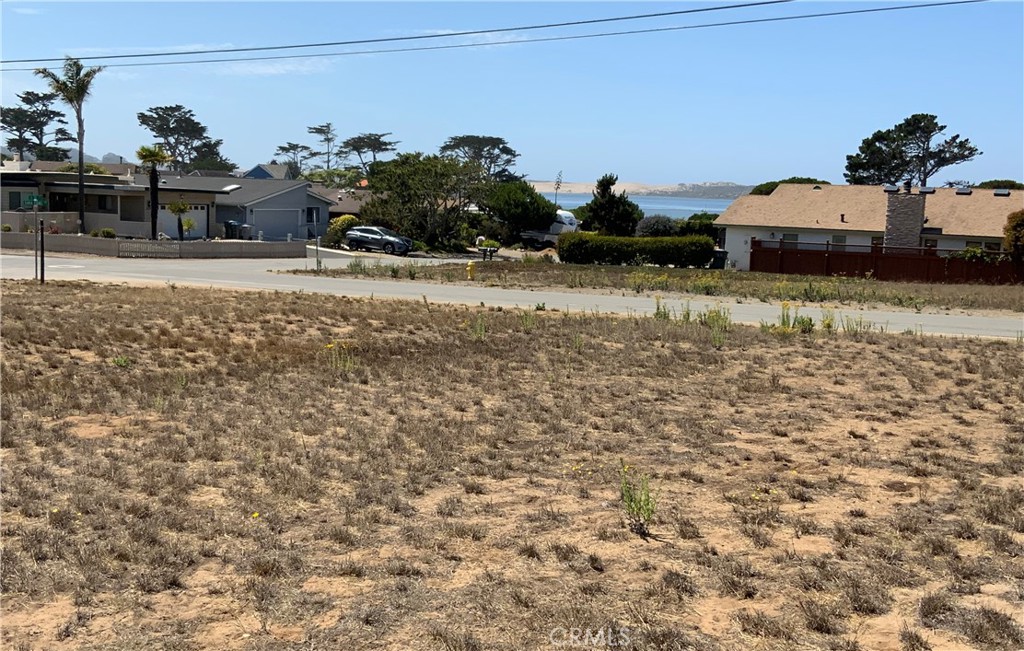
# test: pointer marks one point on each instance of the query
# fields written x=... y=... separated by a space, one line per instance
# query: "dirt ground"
x=197 y=469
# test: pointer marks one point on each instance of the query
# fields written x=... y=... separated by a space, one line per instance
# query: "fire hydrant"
x=471 y=270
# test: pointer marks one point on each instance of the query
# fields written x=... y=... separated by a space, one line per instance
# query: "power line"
x=367 y=41
x=548 y=39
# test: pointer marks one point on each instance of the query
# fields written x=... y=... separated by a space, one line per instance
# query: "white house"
x=849 y=215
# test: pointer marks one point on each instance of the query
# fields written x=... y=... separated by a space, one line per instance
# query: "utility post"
x=37 y=200
x=42 y=255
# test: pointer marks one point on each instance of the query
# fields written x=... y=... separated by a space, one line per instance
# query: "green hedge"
x=587 y=248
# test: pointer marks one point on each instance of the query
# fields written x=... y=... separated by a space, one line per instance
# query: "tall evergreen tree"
x=367 y=146
x=907 y=152
x=330 y=153
x=610 y=213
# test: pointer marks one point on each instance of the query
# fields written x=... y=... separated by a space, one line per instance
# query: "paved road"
x=258 y=274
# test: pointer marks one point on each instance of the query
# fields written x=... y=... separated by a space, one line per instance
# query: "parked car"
x=565 y=222
x=377 y=237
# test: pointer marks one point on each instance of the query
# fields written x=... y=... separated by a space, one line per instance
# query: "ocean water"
x=676 y=207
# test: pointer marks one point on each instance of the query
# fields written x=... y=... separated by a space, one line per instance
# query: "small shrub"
x=529 y=550
x=564 y=552
x=911 y=640
x=336 y=230
x=682 y=585
x=822 y=616
x=656 y=226
x=108 y=233
x=757 y=622
x=935 y=608
x=635 y=491
x=687 y=530
x=991 y=628
x=6 y=228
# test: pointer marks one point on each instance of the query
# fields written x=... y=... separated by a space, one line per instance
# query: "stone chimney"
x=904 y=219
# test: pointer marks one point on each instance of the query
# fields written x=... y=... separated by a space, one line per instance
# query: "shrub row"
x=588 y=248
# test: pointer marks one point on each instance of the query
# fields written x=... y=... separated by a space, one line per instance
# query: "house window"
x=930 y=244
x=789 y=240
x=101 y=202
x=974 y=245
x=992 y=246
x=14 y=201
x=312 y=214
x=838 y=242
x=877 y=241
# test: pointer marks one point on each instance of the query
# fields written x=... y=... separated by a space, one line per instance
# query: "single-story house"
x=116 y=169
x=114 y=202
x=214 y=173
x=345 y=201
x=867 y=215
x=269 y=171
x=269 y=208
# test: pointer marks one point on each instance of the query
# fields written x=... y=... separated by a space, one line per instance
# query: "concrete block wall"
x=61 y=243
x=194 y=249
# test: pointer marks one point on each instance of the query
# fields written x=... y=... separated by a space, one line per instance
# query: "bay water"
x=675 y=207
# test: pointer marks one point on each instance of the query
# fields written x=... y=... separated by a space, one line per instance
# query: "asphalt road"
x=259 y=274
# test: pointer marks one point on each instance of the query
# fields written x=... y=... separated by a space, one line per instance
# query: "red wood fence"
x=884 y=263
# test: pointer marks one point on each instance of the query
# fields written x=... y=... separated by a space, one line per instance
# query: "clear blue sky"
x=744 y=103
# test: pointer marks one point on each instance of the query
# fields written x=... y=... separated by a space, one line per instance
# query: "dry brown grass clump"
x=191 y=469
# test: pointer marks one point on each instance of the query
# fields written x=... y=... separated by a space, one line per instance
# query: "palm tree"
x=73 y=88
x=153 y=156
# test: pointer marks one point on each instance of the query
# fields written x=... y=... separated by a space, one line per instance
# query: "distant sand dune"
x=586 y=188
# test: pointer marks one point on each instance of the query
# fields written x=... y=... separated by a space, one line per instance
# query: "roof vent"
x=963 y=191
x=891 y=189
x=926 y=190
x=1001 y=193
x=817 y=187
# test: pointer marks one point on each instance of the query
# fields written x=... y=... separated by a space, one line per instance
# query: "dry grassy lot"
x=196 y=469
x=534 y=272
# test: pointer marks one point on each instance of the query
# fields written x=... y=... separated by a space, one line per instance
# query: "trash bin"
x=718 y=261
x=231 y=230
x=245 y=231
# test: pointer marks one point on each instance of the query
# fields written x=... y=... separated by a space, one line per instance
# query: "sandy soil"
x=196 y=469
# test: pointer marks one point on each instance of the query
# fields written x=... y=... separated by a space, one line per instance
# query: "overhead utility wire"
x=420 y=37
x=535 y=40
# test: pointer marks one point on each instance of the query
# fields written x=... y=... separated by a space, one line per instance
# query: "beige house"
x=110 y=202
x=857 y=215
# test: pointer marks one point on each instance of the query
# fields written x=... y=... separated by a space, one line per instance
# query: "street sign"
x=36 y=200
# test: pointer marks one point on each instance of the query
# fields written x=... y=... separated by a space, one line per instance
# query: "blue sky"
x=742 y=103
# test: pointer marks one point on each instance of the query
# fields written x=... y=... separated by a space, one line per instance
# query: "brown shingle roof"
x=980 y=214
x=345 y=201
